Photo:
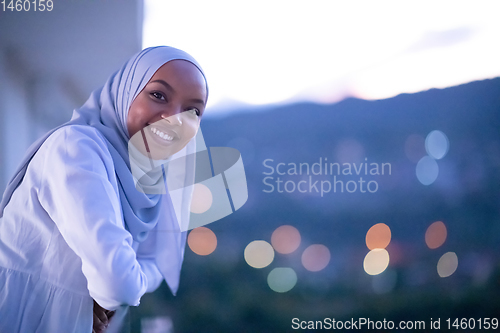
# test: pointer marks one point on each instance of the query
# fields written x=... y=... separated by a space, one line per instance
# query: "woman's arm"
x=146 y=255
x=101 y=318
x=77 y=193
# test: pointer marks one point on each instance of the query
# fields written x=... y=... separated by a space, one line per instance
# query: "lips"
x=162 y=134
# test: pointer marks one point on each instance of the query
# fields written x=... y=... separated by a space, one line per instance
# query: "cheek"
x=138 y=115
x=132 y=119
x=190 y=128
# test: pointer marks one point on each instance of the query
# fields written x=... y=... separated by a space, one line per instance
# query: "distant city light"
x=435 y=236
x=349 y=151
x=285 y=239
x=378 y=236
x=436 y=144
x=315 y=257
x=202 y=199
x=202 y=241
x=447 y=264
x=376 y=261
x=259 y=254
x=427 y=170
x=282 y=279
x=415 y=147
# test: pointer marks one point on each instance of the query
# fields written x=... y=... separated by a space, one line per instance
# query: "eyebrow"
x=169 y=87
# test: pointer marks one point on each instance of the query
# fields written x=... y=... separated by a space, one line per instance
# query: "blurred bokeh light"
x=349 y=151
x=259 y=254
x=282 y=279
x=378 y=236
x=447 y=264
x=427 y=170
x=415 y=147
x=202 y=241
x=435 y=236
x=376 y=261
x=202 y=199
x=315 y=257
x=436 y=144
x=285 y=239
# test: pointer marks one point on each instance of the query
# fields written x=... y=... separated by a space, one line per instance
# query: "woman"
x=81 y=234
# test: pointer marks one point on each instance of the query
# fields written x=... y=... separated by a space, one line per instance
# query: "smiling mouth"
x=161 y=134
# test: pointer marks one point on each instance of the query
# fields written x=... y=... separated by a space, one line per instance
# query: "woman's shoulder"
x=77 y=132
x=77 y=137
x=80 y=145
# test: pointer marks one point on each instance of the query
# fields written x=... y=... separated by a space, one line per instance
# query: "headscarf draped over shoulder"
x=107 y=110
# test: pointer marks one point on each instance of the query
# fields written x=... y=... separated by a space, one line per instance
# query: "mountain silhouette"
x=465 y=194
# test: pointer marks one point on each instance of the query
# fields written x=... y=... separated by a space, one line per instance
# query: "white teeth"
x=161 y=134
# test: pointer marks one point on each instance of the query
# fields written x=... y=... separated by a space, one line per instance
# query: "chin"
x=163 y=154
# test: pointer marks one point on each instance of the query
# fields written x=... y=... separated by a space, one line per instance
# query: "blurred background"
x=404 y=97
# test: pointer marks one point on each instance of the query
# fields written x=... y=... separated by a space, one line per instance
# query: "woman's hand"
x=101 y=318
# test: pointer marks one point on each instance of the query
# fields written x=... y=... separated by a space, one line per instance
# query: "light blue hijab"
x=107 y=110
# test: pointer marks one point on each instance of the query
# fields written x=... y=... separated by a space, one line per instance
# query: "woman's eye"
x=158 y=95
x=195 y=111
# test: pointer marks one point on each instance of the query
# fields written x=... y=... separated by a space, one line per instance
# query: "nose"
x=174 y=119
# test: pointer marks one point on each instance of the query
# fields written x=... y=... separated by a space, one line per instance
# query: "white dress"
x=63 y=241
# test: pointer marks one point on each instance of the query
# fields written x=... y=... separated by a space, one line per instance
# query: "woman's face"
x=165 y=115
